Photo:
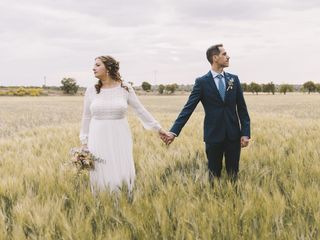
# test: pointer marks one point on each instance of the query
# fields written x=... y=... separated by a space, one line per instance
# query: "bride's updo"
x=112 y=67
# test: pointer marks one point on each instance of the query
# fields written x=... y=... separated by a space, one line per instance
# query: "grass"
x=276 y=197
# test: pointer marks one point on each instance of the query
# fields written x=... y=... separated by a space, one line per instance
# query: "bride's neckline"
x=111 y=87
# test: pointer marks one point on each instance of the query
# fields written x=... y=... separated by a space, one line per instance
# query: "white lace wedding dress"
x=105 y=129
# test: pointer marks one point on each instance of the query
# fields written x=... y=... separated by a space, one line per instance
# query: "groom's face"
x=222 y=60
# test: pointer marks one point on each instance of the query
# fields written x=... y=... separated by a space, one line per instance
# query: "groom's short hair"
x=213 y=50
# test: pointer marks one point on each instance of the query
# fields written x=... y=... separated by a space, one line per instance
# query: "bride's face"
x=99 y=69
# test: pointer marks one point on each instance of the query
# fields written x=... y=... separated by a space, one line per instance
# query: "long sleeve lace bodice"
x=112 y=104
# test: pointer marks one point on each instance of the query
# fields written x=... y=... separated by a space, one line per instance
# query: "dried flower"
x=230 y=84
x=83 y=159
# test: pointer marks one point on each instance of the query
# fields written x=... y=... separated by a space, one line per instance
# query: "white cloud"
x=273 y=40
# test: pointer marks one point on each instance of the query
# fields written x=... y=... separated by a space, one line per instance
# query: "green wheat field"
x=277 y=195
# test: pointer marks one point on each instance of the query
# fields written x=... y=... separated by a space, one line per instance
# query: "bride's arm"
x=86 y=117
x=146 y=118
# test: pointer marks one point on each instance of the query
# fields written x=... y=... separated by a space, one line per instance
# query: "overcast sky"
x=159 y=41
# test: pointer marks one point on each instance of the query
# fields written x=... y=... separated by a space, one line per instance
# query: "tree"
x=269 y=87
x=310 y=86
x=161 y=88
x=146 y=86
x=244 y=87
x=171 y=87
x=254 y=88
x=318 y=87
x=69 y=86
x=284 y=88
x=175 y=86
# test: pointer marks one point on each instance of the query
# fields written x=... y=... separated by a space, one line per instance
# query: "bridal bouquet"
x=82 y=158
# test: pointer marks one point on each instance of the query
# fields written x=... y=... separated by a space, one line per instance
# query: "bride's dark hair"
x=112 y=67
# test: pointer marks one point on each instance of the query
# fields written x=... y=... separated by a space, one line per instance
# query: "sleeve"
x=188 y=108
x=242 y=112
x=144 y=116
x=86 y=117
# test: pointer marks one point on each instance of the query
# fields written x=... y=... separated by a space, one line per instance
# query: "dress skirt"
x=110 y=141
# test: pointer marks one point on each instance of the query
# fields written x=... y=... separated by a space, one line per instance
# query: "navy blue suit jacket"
x=223 y=119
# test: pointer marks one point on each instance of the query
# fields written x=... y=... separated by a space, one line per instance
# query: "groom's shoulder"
x=204 y=77
x=231 y=75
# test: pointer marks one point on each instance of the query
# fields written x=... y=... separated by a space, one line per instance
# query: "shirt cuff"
x=173 y=133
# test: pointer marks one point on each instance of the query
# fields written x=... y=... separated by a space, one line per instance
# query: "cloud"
x=62 y=38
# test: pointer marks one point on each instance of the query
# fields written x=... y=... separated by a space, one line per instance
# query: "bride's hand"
x=166 y=136
x=162 y=133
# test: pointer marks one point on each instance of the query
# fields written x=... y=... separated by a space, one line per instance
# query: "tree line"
x=253 y=87
x=70 y=86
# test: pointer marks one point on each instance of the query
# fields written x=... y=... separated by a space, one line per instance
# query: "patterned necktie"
x=221 y=86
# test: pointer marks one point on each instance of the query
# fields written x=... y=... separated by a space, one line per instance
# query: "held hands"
x=244 y=141
x=166 y=137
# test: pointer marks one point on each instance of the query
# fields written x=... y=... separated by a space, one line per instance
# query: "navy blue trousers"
x=231 y=152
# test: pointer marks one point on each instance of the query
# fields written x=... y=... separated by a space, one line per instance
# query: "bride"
x=105 y=130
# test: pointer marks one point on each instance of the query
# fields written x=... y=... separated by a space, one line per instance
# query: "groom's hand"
x=163 y=135
x=169 y=138
x=244 y=141
x=166 y=137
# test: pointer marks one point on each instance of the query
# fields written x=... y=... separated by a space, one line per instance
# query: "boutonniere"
x=230 y=84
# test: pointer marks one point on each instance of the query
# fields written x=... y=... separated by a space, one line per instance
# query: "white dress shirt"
x=216 y=80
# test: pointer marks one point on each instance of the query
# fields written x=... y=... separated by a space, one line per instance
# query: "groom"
x=226 y=122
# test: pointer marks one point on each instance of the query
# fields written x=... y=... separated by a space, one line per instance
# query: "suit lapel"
x=227 y=78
